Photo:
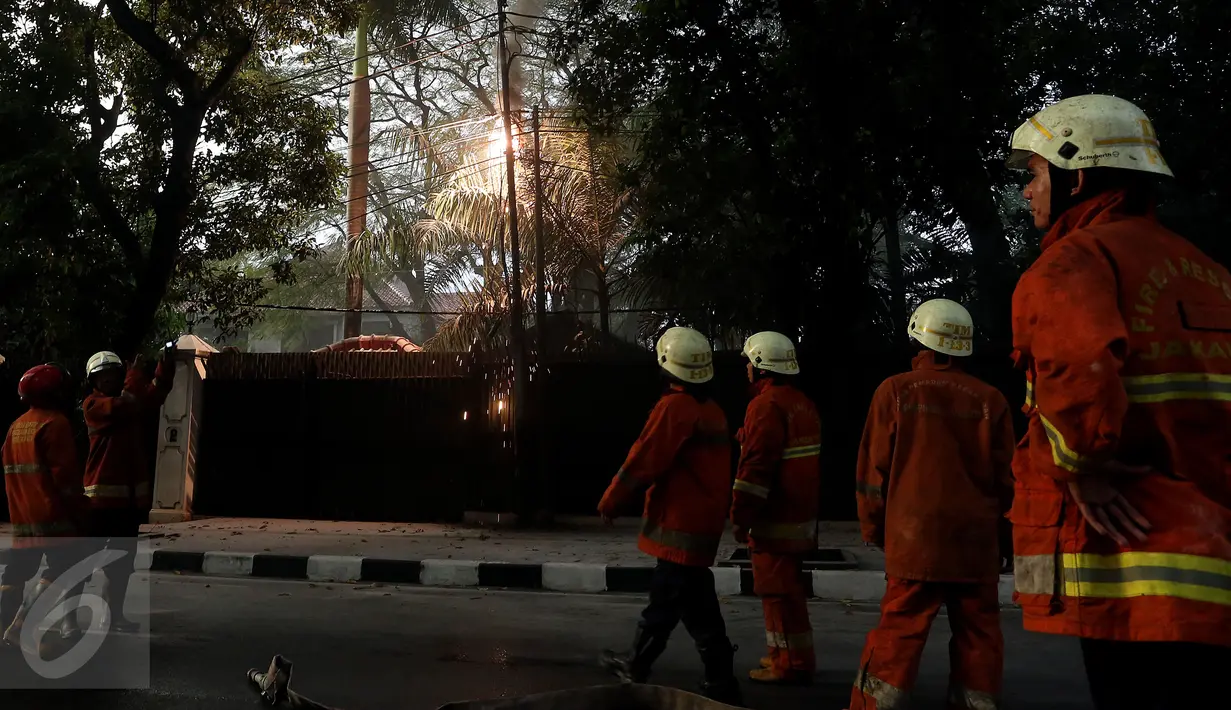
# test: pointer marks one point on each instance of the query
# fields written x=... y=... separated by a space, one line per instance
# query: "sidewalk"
x=579 y=555
x=575 y=540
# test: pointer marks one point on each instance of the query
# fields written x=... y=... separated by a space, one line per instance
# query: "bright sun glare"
x=496 y=143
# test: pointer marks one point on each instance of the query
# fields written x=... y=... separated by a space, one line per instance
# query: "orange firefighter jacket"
x=934 y=477
x=116 y=471
x=1124 y=330
x=684 y=455
x=42 y=477
x=777 y=486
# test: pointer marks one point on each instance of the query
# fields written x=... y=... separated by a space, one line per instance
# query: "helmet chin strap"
x=1063 y=182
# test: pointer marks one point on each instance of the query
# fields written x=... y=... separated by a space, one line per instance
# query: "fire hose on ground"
x=274 y=687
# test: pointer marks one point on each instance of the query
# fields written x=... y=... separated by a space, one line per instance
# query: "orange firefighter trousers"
x=890 y=661
x=788 y=632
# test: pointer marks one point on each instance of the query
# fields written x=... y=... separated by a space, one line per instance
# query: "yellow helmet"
x=686 y=355
x=101 y=361
x=772 y=352
x=1093 y=131
x=944 y=326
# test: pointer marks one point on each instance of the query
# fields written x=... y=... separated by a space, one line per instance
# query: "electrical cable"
x=403 y=65
x=381 y=52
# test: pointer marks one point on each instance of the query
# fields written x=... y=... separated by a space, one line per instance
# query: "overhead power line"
x=539 y=17
x=395 y=67
x=382 y=52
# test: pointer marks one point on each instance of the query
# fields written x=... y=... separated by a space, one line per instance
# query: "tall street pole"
x=517 y=326
x=541 y=460
x=540 y=268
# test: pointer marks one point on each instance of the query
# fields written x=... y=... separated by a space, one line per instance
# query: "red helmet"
x=42 y=382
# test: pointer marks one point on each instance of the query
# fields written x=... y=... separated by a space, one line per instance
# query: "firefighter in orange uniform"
x=774 y=504
x=1122 y=520
x=117 y=478
x=933 y=485
x=684 y=456
x=42 y=477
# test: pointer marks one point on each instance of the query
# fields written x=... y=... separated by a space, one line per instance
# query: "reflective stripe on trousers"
x=775 y=639
x=19 y=468
x=680 y=540
x=973 y=699
x=1127 y=574
x=102 y=490
x=887 y=697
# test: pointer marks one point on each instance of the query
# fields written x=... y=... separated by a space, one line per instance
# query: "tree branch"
x=395 y=324
x=142 y=32
x=113 y=219
x=230 y=66
x=93 y=103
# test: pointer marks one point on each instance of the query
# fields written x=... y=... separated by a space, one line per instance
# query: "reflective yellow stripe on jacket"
x=1143 y=389
x=42 y=529
x=751 y=489
x=1061 y=454
x=680 y=540
x=1128 y=574
x=801 y=452
x=785 y=531
x=1173 y=386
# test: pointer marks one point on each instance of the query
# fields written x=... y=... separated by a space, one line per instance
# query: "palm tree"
x=386 y=20
x=590 y=213
x=460 y=233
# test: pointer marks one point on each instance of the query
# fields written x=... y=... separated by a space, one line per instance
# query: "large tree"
x=163 y=132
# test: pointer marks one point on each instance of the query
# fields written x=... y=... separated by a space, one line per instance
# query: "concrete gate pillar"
x=179 y=424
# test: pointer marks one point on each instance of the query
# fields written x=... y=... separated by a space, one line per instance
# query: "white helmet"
x=685 y=354
x=944 y=326
x=772 y=352
x=102 y=361
x=1093 y=131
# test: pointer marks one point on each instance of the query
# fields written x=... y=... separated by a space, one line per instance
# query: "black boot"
x=720 y=683
x=634 y=666
x=117 y=592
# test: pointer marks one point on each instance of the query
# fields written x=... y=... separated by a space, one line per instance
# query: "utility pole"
x=540 y=286
x=517 y=326
x=541 y=460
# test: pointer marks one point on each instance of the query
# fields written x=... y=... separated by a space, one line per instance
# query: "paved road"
x=383 y=648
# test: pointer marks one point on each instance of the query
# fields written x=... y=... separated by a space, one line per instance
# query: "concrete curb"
x=863 y=586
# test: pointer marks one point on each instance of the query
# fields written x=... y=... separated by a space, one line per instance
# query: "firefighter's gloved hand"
x=1104 y=508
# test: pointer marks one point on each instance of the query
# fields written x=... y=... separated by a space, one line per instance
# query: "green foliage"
x=783 y=138
x=151 y=149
